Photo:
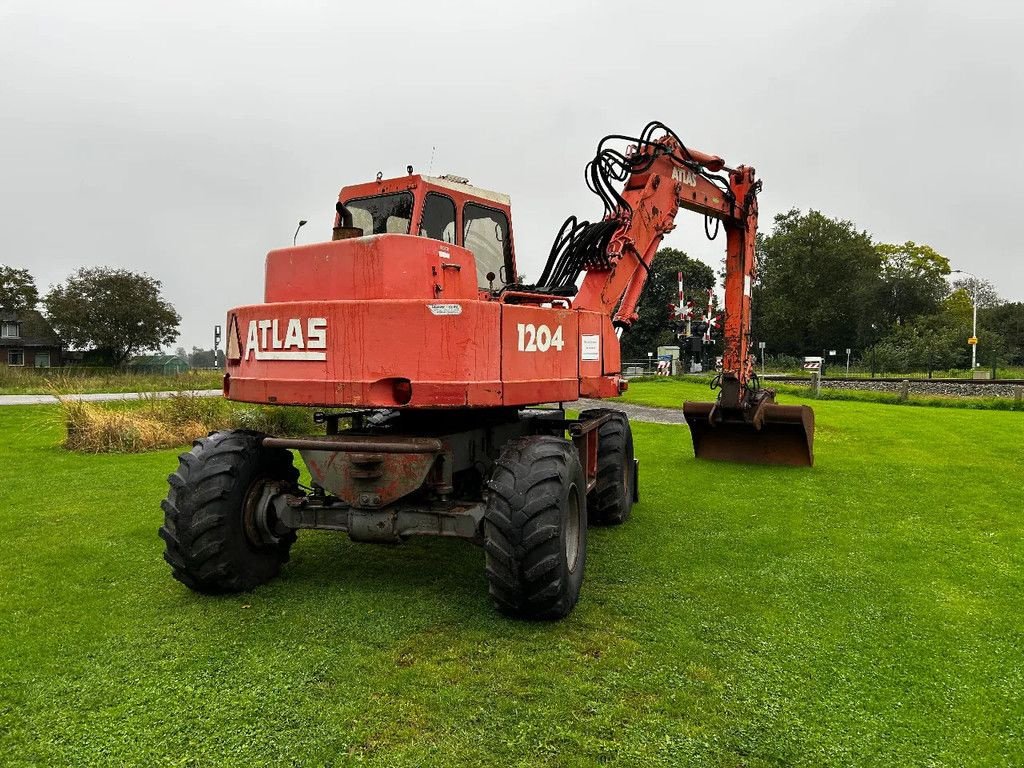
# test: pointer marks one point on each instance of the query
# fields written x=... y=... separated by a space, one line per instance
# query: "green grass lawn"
x=863 y=612
x=85 y=380
x=670 y=392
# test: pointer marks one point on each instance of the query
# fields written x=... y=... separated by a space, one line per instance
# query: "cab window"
x=438 y=220
x=382 y=214
x=485 y=233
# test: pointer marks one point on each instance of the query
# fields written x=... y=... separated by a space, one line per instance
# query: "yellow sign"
x=972 y=340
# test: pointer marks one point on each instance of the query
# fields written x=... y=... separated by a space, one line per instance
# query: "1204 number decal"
x=539 y=338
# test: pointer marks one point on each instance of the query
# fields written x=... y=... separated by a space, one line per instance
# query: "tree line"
x=113 y=313
x=823 y=284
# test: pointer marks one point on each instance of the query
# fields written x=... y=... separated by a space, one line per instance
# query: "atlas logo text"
x=291 y=339
x=685 y=176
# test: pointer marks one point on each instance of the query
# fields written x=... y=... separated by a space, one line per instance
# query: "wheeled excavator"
x=440 y=379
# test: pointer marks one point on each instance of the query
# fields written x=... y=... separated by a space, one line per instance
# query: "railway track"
x=826 y=380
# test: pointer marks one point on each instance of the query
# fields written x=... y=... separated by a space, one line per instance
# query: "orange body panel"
x=379 y=268
x=539 y=354
x=398 y=321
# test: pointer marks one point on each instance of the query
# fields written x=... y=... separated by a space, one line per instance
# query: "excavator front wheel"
x=610 y=502
x=535 y=528
x=213 y=543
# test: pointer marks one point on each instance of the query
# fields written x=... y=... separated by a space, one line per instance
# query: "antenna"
x=430 y=170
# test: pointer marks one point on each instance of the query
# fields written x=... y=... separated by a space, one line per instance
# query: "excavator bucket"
x=778 y=434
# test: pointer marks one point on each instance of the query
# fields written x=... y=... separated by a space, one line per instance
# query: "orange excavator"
x=430 y=364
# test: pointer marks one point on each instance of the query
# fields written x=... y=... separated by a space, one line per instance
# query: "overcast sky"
x=186 y=139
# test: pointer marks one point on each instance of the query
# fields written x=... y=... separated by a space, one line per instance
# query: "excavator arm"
x=660 y=175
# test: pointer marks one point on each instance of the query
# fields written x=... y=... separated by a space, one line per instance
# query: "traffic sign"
x=972 y=340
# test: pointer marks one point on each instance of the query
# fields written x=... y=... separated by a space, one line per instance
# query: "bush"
x=93 y=428
x=153 y=423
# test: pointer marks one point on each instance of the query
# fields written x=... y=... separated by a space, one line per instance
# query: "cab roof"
x=402 y=183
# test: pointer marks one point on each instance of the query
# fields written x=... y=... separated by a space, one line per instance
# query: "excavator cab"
x=444 y=208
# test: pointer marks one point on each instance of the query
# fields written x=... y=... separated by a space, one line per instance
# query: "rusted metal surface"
x=365 y=444
x=771 y=434
x=365 y=479
x=262 y=527
x=585 y=437
x=390 y=525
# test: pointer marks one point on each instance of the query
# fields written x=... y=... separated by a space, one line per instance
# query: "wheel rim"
x=573 y=529
x=257 y=515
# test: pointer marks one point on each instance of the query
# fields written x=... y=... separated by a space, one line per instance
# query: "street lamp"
x=874 y=344
x=302 y=223
x=974 y=321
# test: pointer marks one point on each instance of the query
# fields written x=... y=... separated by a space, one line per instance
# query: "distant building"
x=28 y=341
x=171 y=364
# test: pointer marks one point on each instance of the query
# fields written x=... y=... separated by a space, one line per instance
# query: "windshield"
x=383 y=214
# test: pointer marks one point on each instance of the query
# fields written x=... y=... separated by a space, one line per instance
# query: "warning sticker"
x=590 y=346
x=445 y=309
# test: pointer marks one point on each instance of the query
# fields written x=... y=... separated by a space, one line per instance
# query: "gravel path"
x=51 y=400
x=636 y=412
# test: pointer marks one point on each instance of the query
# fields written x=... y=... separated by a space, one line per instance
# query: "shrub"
x=153 y=423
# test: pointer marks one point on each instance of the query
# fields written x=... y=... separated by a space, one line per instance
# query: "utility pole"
x=974 y=322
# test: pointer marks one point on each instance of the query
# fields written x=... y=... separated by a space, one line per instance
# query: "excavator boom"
x=662 y=175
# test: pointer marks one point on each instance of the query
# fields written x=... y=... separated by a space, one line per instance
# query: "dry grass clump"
x=152 y=423
x=93 y=428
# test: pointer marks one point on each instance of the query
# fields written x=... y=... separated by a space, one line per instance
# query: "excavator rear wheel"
x=610 y=502
x=535 y=528
x=215 y=539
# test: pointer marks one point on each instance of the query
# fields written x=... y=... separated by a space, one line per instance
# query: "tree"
x=988 y=297
x=655 y=326
x=913 y=281
x=205 y=358
x=1006 y=320
x=115 y=311
x=17 y=289
x=818 y=284
x=938 y=340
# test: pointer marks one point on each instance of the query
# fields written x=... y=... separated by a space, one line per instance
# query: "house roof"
x=35 y=330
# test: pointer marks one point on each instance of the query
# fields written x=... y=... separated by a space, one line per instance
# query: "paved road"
x=635 y=412
x=51 y=400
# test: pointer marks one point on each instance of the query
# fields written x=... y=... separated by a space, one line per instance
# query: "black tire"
x=610 y=502
x=208 y=545
x=535 y=528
